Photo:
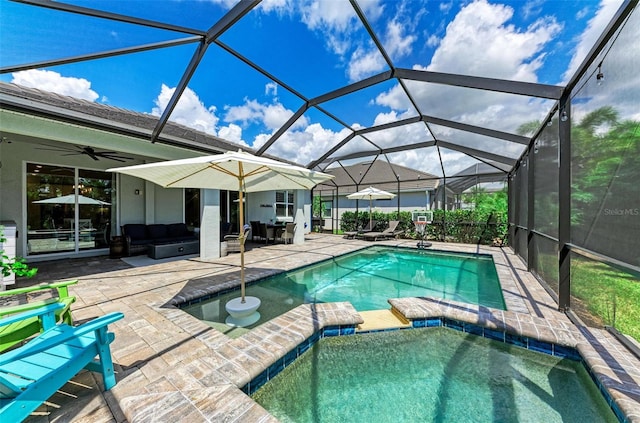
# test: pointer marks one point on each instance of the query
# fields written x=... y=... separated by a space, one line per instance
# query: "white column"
x=9 y=249
x=149 y=202
x=300 y=199
x=210 y=224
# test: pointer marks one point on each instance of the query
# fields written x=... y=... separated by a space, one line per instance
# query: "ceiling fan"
x=89 y=151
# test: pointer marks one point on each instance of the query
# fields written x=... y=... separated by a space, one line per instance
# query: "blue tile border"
x=280 y=364
x=496 y=335
x=523 y=342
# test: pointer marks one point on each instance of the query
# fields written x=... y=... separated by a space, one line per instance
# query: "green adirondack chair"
x=12 y=334
x=33 y=372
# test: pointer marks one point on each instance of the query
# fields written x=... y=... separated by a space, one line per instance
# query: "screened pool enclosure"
x=546 y=100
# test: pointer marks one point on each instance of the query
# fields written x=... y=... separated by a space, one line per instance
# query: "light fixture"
x=600 y=75
x=564 y=116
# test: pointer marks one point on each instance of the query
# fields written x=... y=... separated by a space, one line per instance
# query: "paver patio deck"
x=172 y=367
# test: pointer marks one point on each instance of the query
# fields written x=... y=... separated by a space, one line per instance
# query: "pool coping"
x=233 y=363
x=172 y=367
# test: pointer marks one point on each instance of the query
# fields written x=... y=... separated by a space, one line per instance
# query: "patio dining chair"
x=233 y=240
x=287 y=234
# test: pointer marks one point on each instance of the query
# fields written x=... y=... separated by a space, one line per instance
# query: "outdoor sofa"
x=159 y=240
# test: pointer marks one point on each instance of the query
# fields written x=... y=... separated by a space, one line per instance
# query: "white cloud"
x=532 y=8
x=55 y=83
x=364 y=63
x=580 y=14
x=398 y=44
x=332 y=15
x=480 y=42
x=231 y=133
x=273 y=116
x=303 y=146
x=433 y=41
x=445 y=7
x=271 y=89
x=398 y=40
x=189 y=111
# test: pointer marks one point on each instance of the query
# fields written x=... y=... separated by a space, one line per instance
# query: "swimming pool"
x=434 y=374
x=368 y=278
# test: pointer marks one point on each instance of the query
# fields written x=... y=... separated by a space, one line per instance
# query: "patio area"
x=173 y=367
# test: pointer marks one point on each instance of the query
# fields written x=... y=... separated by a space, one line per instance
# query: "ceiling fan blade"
x=54 y=149
x=114 y=156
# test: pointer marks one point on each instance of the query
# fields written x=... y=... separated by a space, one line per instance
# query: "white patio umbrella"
x=230 y=171
x=371 y=193
x=71 y=199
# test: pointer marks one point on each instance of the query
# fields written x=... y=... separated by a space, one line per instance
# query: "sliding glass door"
x=68 y=209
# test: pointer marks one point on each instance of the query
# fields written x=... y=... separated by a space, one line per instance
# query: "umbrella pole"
x=370 y=214
x=241 y=213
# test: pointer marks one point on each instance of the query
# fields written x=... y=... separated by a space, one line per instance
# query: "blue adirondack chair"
x=32 y=373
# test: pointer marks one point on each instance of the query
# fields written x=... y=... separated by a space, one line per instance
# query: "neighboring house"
x=52 y=145
x=414 y=190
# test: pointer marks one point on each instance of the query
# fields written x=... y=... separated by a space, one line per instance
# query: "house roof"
x=378 y=174
x=101 y=116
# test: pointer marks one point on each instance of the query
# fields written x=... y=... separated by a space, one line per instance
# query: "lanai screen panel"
x=308 y=138
x=34 y=34
x=606 y=151
x=354 y=150
x=546 y=199
x=227 y=99
x=363 y=108
x=404 y=135
x=545 y=181
x=426 y=159
x=493 y=110
x=508 y=150
x=320 y=47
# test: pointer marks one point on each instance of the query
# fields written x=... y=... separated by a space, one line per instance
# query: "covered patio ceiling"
x=439 y=88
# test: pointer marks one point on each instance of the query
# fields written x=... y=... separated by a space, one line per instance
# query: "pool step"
x=380 y=320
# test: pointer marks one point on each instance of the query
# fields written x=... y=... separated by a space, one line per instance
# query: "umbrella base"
x=242 y=314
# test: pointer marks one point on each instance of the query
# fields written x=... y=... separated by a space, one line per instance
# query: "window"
x=192 y=207
x=327 y=208
x=284 y=204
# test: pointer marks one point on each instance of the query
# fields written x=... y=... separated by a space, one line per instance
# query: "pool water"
x=368 y=278
x=431 y=375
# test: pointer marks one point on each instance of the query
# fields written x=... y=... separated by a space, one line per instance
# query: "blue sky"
x=314 y=47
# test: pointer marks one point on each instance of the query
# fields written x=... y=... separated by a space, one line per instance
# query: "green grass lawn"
x=608 y=294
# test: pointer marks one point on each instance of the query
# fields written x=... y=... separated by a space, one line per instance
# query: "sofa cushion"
x=178 y=230
x=135 y=231
x=157 y=231
x=142 y=241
